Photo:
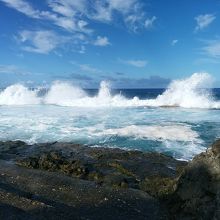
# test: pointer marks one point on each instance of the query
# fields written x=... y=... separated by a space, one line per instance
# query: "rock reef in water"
x=103 y=183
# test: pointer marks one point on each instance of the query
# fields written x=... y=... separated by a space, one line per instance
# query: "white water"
x=184 y=93
x=187 y=93
x=67 y=113
x=156 y=132
x=18 y=95
x=180 y=132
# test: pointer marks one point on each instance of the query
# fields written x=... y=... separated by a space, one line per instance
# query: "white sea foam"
x=64 y=94
x=156 y=132
x=18 y=95
x=185 y=93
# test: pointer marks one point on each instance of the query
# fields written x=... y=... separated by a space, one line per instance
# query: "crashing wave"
x=186 y=93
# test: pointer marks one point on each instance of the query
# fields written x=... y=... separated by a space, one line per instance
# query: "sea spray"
x=19 y=95
x=186 y=93
x=63 y=94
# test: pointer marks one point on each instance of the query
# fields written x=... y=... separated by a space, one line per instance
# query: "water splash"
x=19 y=95
x=186 y=93
x=63 y=94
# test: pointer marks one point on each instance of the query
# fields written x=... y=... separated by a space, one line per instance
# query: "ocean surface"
x=180 y=121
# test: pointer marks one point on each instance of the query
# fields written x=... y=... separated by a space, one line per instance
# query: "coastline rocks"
x=11 y=149
x=149 y=172
x=187 y=191
x=33 y=194
x=197 y=194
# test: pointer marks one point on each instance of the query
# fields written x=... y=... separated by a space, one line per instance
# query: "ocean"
x=180 y=121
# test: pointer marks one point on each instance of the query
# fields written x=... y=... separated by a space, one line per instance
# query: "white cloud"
x=101 y=41
x=101 y=13
x=87 y=68
x=66 y=19
x=204 y=21
x=149 y=22
x=104 y=10
x=212 y=48
x=206 y=60
x=68 y=8
x=23 y=7
x=135 y=63
x=174 y=42
x=122 y=5
x=12 y=69
x=7 y=68
x=75 y=15
x=82 y=49
x=39 y=41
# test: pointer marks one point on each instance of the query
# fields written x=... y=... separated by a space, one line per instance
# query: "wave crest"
x=185 y=93
x=19 y=95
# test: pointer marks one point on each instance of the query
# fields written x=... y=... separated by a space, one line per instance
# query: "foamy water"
x=185 y=93
x=69 y=113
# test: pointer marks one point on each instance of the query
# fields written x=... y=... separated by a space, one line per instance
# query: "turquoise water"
x=181 y=133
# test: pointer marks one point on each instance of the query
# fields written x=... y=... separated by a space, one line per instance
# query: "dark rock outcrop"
x=197 y=194
x=153 y=173
x=177 y=190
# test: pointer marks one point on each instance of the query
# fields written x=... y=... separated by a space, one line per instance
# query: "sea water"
x=180 y=121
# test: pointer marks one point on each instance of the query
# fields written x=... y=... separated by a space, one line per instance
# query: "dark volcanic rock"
x=85 y=182
x=150 y=172
x=197 y=194
x=34 y=194
x=129 y=184
x=11 y=149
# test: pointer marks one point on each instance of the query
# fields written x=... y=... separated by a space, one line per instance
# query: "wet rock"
x=119 y=167
x=96 y=176
x=197 y=194
x=57 y=196
x=54 y=161
x=12 y=144
x=119 y=180
x=110 y=167
x=158 y=186
x=47 y=162
x=188 y=191
x=31 y=162
x=12 y=149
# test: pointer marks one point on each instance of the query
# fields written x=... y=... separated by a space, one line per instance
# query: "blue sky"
x=132 y=43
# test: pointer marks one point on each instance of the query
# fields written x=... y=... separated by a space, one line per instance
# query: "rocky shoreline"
x=71 y=181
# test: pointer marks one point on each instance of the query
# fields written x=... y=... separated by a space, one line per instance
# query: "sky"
x=132 y=43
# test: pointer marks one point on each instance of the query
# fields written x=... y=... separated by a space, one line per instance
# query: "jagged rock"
x=197 y=194
x=110 y=167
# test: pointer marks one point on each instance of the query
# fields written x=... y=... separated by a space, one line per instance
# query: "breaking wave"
x=186 y=93
x=18 y=95
x=155 y=132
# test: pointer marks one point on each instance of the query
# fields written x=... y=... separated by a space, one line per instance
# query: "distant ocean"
x=180 y=121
